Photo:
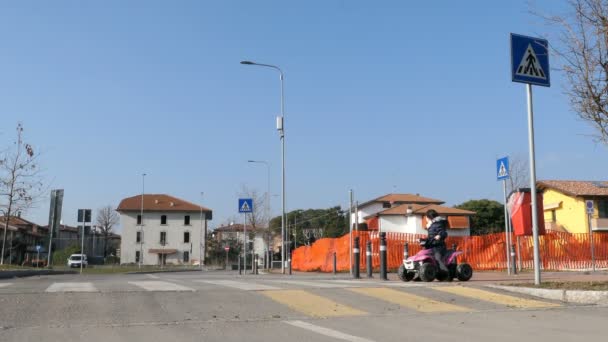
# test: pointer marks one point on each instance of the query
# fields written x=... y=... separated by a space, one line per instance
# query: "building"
x=68 y=236
x=235 y=232
x=564 y=205
x=405 y=213
x=169 y=232
x=22 y=237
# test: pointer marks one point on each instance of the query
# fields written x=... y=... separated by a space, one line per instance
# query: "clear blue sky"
x=412 y=96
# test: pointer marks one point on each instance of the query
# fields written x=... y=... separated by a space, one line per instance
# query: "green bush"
x=60 y=257
x=112 y=260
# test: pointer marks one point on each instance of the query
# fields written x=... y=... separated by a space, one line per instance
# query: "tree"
x=333 y=221
x=257 y=218
x=489 y=217
x=107 y=218
x=20 y=182
x=519 y=174
x=582 y=48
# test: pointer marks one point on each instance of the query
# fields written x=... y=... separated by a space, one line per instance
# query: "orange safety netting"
x=558 y=251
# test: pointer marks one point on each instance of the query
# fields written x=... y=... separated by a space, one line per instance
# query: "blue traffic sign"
x=245 y=205
x=530 y=60
x=502 y=168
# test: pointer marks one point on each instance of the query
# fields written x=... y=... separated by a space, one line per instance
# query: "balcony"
x=599 y=224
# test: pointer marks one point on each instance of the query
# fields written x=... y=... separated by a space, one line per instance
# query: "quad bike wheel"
x=404 y=275
x=443 y=275
x=464 y=272
x=427 y=272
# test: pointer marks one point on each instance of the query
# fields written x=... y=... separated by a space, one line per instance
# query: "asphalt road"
x=217 y=306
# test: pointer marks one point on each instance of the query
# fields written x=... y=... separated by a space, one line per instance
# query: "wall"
x=401 y=224
x=175 y=229
x=368 y=210
x=571 y=215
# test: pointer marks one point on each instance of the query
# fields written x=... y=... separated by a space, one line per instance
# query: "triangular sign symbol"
x=502 y=171
x=245 y=206
x=529 y=65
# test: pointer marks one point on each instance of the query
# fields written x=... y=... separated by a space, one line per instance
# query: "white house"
x=258 y=238
x=169 y=232
x=405 y=213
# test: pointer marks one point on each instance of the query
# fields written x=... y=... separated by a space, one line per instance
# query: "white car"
x=75 y=259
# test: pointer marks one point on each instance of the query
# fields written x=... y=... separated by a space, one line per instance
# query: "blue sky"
x=380 y=96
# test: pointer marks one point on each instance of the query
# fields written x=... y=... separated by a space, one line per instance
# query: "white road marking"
x=240 y=285
x=71 y=287
x=5 y=284
x=151 y=285
x=152 y=276
x=327 y=332
x=312 y=283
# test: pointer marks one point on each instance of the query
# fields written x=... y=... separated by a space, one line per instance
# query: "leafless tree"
x=257 y=218
x=519 y=174
x=582 y=48
x=20 y=181
x=107 y=218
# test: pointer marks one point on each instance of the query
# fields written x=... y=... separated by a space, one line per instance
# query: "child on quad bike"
x=437 y=233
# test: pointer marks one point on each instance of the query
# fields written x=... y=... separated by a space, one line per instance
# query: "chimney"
x=156 y=201
x=171 y=204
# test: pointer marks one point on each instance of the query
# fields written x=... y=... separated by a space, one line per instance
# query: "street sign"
x=530 y=60
x=226 y=248
x=589 y=206
x=245 y=205
x=502 y=168
x=84 y=215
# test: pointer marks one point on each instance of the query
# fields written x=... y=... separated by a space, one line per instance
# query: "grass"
x=569 y=285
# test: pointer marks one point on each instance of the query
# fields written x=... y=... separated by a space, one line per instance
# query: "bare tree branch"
x=107 y=218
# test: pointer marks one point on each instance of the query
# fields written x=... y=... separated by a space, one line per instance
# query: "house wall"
x=368 y=210
x=412 y=225
x=572 y=213
x=152 y=228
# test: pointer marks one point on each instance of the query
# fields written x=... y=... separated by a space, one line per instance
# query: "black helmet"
x=431 y=214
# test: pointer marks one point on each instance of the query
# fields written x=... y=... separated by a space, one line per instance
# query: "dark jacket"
x=438 y=226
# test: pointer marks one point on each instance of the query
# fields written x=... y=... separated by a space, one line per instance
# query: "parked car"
x=75 y=259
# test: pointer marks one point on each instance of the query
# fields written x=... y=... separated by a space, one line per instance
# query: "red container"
x=520 y=207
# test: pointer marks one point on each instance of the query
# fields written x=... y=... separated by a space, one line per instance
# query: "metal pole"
x=519 y=261
x=245 y=242
x=201 y=257
x=350 y=232
x=282 y=173
x=533 y=187
x=335 y=264
x=383 y=265
x=507 y=238
x=356 y=255
x=82 y=240
x=141 y=226
x=591 y=241
x=368 y=260
x=226 y=263
x=51 y=228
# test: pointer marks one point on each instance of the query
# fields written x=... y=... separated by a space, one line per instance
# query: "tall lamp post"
x=202 y=251
x=281 y=129
x=141 y=223
x=267 y=197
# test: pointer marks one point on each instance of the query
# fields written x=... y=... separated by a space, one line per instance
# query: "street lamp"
x=267 y=198
x=141 y=226
x=203 y=238
x=281 y=129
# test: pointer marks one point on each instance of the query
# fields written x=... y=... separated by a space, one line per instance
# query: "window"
x=138 y=219
x=136 y=256
x=163 y=238
x=163 y=219
x=602 y=208
x=386 y=205
x=138 y=237
x=186 y=256
x=186 y=237
x=187 y=220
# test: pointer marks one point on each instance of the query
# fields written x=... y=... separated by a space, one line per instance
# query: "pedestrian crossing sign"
x=502 y=168
x=245 y=205
x=530 y=60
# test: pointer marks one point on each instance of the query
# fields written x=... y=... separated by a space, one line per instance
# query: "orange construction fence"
x=558 y=251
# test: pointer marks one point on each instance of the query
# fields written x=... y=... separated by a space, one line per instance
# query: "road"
x=222 y=306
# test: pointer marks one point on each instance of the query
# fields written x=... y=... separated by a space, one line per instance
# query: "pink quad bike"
x=424 y=267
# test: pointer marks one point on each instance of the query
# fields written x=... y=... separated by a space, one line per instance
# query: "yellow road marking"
x=493 y=297
x=311 y=304
x=408 y=300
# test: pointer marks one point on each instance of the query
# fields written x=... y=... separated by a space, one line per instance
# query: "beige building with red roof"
x=405 y=213
x=169 y=232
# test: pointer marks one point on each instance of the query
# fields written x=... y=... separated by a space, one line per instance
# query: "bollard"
x=357 y=258
x=255 y=262
x=514 y=267
x=368 y=255
x=239 y=263
x=335 y=262
x=289 y=262
x=383 y=265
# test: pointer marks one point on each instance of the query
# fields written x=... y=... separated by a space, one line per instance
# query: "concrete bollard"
x=513 y=265
x=368 y=256
x=383 y=265
x=335 y=262
x=239 y=264
x=357 y=259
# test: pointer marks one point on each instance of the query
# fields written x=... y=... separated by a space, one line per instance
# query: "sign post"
x=530 y=65
x=502 y=174
x=245 y=207
x=227 y=249
x=589 y=207
x=84 y=216
x=54 y=219
x=38 y=247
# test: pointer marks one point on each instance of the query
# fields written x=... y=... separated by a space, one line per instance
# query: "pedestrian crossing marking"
x=5 y=284
x=487 y=296
x=529 y=65
x=315 y=284
x=408 y=300
x=71 y=287
x=311 y=304
x=152 y=285
x=240 y=285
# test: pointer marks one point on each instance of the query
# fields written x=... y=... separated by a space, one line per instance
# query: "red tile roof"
x=403 y=198
x=159 y=202
x=421 y=209
x=576 y=188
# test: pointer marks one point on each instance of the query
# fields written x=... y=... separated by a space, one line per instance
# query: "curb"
x=167 y=271
x=567 y=296
x=31 y=273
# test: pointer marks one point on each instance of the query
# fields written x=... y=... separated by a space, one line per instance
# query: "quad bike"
x=424 y=267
